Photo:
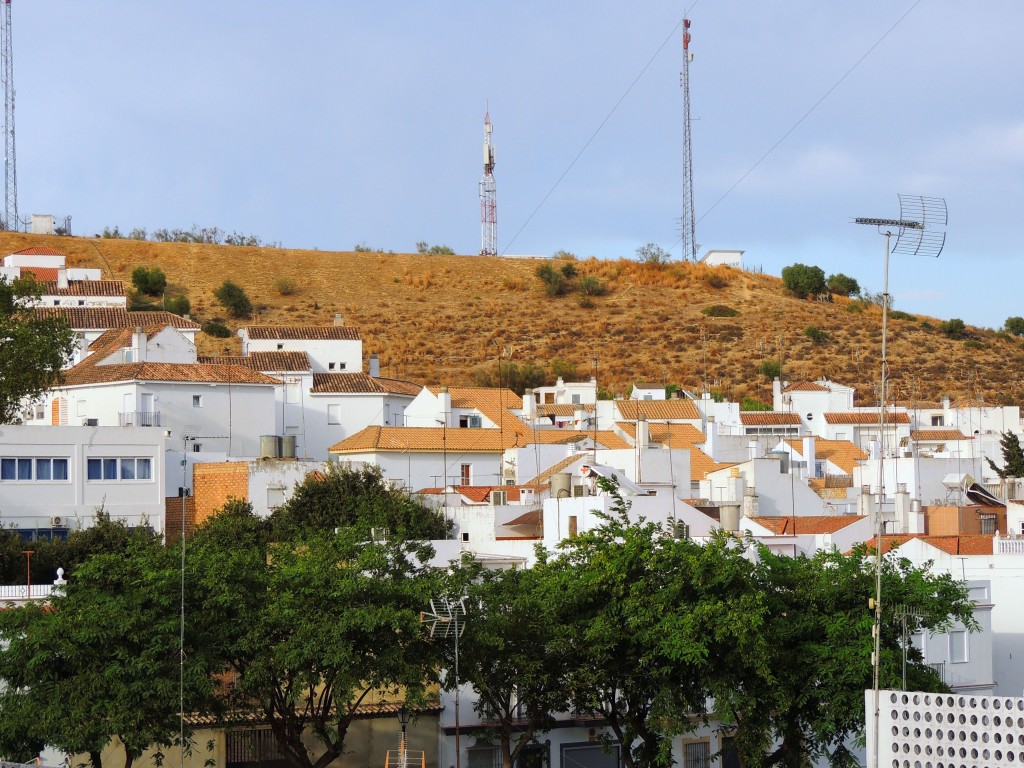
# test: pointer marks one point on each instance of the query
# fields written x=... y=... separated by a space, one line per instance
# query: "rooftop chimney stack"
x=374 y=366
x=339 y=319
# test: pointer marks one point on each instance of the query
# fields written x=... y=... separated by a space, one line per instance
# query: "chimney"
x=808 y=452
x=139 y=345
x=529 y=409
x=711 y=437
x=776 y=394
x=374 y=366
x=752 y=450
x=444 y=401
x=339 y=319
x=643 y=433
x=903 y=508
x=62 y=278
x=751 y=504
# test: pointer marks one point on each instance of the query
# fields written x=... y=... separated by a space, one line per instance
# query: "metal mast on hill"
x=688 y=222
x=488 y=196
x=10 y=219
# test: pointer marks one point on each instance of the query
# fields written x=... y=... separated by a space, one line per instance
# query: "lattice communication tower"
x=488 y=196
x=10 y=217
x=688 y=222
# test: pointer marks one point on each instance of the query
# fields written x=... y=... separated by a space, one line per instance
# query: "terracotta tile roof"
x=806 y=386
x=563 y=409
x=545 y=475
x=97 y=318
x=967 y=402
x=677 y=409
x=812 y=524
x=672 y=435
x=87 y=372
x=435 y=439
x=493 y=402
x=534 y=518
x=266 y=362
x=84 y=288
x=479 y=493
x=353 y=383
x=866 y=417
x=607 y=438
x=842 y=453
x=648 y=385
x=701 y=464
x=38 y=250
x=768 y=418
x=968 y=544
x=921 y=435
x=42 y=274
x=303 y=332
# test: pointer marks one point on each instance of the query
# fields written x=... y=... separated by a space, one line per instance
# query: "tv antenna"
x=447 y=619
x=920 y=230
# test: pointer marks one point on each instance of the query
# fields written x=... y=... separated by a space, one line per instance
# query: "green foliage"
x=286 y=286
x=565 y=370
x=802 y=280
x=896 y=314
x=954 y=328
x=112 y=234
x=217 y=330
x=770 y=369
x=817 y=335
x=178 y=305
x=33 y=349
x=569 y=271
x=1013 y=457
x=516 y=377
x=360 y=498
x=720 y=310
x=233 y=299
x=652 y=253
x=434 y=250
x=1014 y=325
x=842 y=285
x=150 y=281
x=670 y=391
x=561 y=254
x=750 y=404
x=554 y=281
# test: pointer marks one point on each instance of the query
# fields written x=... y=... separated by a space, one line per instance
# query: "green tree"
x=357 y=497
x=434 y=250
x=555 y=283
x=842 y=285
x=816 y=334
x=1014 y=325
x=33 y=349
x=652 y=253
x=1013 y=457
x=806 y=703
x=178 y=305
x=508 y=653
x=954 y=328
x=150 y=281
x=770 y=369
x=100 y=666
x=647 y=623
x=233 y=299
x=802 y=280
x=517 y=378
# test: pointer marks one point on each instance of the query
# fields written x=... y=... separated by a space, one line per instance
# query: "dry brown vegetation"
x=437 y=319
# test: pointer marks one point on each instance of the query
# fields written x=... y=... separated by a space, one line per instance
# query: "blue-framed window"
x=120 y=468
x=26 y=468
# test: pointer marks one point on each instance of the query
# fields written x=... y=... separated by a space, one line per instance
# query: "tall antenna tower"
x=488 y=196
x=688 y=222
x=10 y=218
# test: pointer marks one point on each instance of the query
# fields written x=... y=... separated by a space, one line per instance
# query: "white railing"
x=20 y=592
x=1008 y=545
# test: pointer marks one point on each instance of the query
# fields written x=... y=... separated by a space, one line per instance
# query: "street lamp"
x=403 y=754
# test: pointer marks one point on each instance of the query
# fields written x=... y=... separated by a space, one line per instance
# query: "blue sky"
x=325 y=123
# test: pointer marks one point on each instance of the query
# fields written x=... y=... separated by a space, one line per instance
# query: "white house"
x=330 y=348
x=723 y=258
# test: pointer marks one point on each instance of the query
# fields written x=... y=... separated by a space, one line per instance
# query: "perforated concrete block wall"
x=936 y=730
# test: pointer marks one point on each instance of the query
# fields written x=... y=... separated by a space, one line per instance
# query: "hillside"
x=437 y=319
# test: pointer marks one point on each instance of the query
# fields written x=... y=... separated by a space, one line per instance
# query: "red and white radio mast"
x=10 y=216
x=488 y=196
x=688 y=222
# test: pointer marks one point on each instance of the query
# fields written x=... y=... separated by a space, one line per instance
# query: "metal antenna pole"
x=10 y=220
x=488 y=196
x=688 y=223
x=445 y=619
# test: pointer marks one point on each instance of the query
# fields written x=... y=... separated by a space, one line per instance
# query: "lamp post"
x=919 y=230
x=403 y=751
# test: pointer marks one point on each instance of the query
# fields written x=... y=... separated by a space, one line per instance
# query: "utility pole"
x=10 y=218
x=488 y=196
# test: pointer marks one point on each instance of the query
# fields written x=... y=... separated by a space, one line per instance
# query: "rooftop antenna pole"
x=688 y=222
x=488 y=196
x=920 y=230
x=10 y=217
x=447 y=619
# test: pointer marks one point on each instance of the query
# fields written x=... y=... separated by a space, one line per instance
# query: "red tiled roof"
x=563 y=409
x=99 y=318
x=677 y=409
x=967 y=544
x=866 y=417
x=435 y=439
x=842 y=453
x=479 y=493
x=672 y=435
x=87 y=372
x=493 y=402
x=303 y=332
x=104 y=288
x=768 y=418
x=42 y=274
x=921 y=435
x=806 y=386
x=38 y=250
x=357 y=383
x=811 y=524
x=267 y=362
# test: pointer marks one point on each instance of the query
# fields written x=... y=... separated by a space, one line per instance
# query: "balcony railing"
x=139 y=418
x=939 y=667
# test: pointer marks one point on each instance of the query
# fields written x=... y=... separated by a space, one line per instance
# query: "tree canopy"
x=1013 y=457
x=33 y=349
x=802 y=280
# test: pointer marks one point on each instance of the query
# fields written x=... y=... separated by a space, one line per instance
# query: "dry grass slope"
x=436 y=319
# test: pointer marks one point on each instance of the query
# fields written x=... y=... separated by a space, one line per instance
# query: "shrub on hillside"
x=954 y=328
x=1014 y=325
x=816 y=335
x=750 y=404
x=652 y=253
x=218 y=330
x=433 y=250
x=842 y=285
x=720 y=310
x=151 y=282
x=589 y=285
x=233 y=299
x=770 y=369
x=178 y=305
x=802 y=280
x=554 y=281
x=286 y=286
x=898 y=314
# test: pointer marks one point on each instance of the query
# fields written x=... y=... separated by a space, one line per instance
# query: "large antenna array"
x=688 y=222
x=10 y=218
x=488 y=196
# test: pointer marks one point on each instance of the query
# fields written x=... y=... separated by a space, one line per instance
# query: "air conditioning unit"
x=90 y=422
x=58 y=521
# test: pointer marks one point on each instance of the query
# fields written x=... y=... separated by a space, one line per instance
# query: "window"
x=730 y=755
x=958 y=646
x=275 y=496
x=280 y=346
x=80 y=408
x=197 y=447
x=465 y=474
x=988 y=523
x=483 y=756
x=937 y=421
x=81 y=302
x=197 y=401
x=23 y=468
x=341 y=366
x=471 y=421
x=575 y=399
x=334 y=414
x=697 y=754
x=330 y=366
x=128 y=468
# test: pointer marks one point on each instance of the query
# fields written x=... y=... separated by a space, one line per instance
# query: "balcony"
x=139 y=418
x=939 y=668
